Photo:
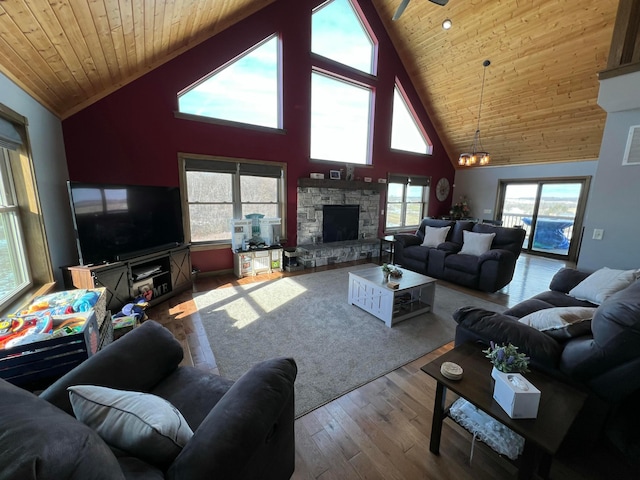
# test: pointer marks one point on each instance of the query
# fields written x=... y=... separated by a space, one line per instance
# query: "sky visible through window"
x=338 y=34
x=339 y=120
x=245 y=91
x=405 y=134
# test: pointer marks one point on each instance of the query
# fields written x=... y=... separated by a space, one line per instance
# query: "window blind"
x=9 y=136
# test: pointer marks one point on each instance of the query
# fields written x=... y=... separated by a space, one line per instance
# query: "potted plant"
x=460 y=210
x=506 y=358
x=386 y=270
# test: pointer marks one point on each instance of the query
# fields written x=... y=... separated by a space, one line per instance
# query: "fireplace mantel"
x=342 y=184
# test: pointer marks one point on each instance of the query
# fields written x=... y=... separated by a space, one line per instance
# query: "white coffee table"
x=369 y=291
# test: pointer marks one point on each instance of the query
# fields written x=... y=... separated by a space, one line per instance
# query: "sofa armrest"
x=567 y=278
x=406 y=240
x=249 y=432
x=137 y=361
x=543 y=350
x=450 y=247
x=497 y=254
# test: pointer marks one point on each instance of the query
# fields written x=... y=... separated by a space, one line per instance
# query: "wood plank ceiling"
x=540 y=92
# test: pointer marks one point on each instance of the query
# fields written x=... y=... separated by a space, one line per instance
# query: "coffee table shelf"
x=369 y=291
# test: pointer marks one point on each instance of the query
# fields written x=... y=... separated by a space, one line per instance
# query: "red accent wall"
x=132 y=135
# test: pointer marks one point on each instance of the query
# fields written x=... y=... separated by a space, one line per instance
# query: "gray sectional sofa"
x=460 y=258
x=599 y=353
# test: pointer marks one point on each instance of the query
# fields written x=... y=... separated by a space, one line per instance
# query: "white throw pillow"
x=557 y=317
x=434 y=236
x=602 y=284
x=142 y=424
x=476 y=243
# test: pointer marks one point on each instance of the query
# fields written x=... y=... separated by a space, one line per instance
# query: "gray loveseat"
x=488 y=272
x=242 y=430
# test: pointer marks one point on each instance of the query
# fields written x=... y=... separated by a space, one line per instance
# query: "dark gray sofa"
x=602 y=359
x=488 y=272
x=242 y=430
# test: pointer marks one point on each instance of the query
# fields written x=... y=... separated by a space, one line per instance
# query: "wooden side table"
x=559 y=406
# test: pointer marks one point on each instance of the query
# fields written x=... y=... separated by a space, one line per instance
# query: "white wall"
x=47 y=148
x=615 y=202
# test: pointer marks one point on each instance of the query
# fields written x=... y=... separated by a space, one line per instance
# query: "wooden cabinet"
x=113 y=277
x=181 y=269
x=163 y=274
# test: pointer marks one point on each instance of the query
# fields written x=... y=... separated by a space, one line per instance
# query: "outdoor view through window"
x=556 y=203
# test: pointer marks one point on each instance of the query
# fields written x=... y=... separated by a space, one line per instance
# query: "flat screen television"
x=116 y=222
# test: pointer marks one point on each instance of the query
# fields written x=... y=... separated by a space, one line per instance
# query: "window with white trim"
x=245 y=90
x=218 y=190
x=341 y=98
x=405 y=131
x=407 y=201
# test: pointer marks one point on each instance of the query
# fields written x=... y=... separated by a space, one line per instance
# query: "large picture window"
x=218 y=190
x=341 y=98
x=406 y=201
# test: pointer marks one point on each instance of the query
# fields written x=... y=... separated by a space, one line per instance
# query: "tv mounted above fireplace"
x=340 y=222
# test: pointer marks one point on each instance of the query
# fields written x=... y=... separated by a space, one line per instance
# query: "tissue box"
x=515 y=394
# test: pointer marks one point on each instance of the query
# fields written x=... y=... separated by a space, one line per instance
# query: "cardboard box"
x=515 y=394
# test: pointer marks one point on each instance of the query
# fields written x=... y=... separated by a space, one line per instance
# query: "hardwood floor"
x=382 y=429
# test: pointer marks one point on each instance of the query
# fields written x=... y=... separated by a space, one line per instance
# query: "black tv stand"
x=166 y=273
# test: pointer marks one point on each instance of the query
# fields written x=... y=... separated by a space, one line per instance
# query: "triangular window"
x=405 y=133
x=245 y=90
x=338 y=34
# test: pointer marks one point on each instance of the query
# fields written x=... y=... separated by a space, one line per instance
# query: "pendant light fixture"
x=477 y=156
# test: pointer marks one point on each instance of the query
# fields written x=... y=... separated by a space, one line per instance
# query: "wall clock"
x=442 y=189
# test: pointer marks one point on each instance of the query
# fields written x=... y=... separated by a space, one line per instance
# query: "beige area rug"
x=337 y=346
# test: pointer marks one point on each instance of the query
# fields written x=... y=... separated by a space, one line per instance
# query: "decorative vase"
x=386 y=277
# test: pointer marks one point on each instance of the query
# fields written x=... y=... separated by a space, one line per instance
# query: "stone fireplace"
x=312 y=196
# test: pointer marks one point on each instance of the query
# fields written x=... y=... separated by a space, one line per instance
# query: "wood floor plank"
x=340 y=466
x=362 y=437
x=379 y=437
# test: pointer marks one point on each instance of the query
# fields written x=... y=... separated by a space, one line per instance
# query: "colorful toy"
x=135 y=309
x=14 y=329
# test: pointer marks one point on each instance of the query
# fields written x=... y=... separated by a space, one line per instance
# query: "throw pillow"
x=476 y=243
x=434 y=236
x=561 y=322
x=602 y=284
x=144 y=425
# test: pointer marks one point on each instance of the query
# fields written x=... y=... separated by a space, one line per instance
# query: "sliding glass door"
x=550 y=210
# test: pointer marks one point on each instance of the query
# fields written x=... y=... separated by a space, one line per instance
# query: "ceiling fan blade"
x=404 y=4
x=401 y=8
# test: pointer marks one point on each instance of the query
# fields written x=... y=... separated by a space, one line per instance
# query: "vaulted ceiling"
x=540 y=94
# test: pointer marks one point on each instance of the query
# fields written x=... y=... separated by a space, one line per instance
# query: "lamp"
x=477 y=155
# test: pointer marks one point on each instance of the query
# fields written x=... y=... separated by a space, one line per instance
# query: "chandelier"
x=477 y=156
